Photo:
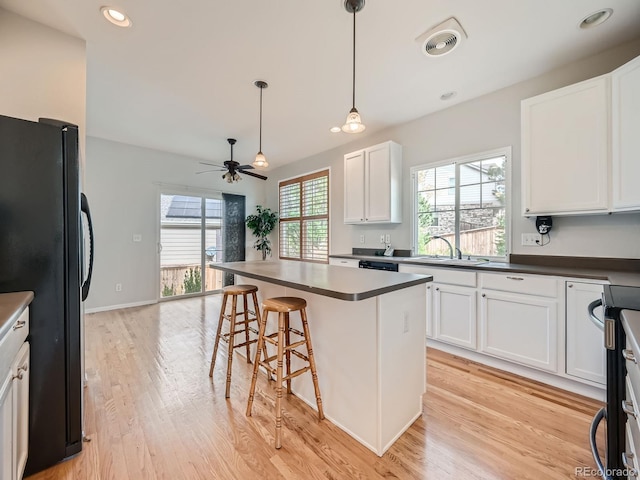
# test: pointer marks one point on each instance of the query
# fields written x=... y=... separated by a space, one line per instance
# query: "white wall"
x=43 y=73
x=122 y=185
x=478 y=125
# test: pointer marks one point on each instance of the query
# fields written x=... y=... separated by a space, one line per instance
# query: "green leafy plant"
x=192 y=281
x=168 y=291
x=261 y=225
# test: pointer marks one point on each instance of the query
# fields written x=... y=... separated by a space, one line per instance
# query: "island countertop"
x=350 y=284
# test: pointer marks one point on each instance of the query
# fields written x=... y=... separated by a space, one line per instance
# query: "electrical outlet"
x=137 y=237
x=361 y=238
x=387 y=238
x=118 y=287
x=382 y=238
x=531 y=239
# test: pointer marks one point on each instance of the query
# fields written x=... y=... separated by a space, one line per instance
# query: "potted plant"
x=261 y=225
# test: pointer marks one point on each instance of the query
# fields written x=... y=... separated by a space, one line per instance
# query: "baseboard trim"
x=118 y=307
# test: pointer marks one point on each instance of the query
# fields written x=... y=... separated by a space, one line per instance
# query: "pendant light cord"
x=353 y=89
x=260 y=149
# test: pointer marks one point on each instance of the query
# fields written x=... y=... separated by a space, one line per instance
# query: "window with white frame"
x=463 y=201
x=304 y=218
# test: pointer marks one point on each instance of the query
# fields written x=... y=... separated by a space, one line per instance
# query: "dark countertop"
x=11 y=306
x=613 y=276
x=331 y=281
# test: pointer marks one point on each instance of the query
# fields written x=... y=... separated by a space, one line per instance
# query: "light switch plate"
x=529 y=239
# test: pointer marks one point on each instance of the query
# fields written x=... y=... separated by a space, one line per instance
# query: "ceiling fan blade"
x=211 y=164
x=245 y=167
x=251 y=174
x=208 y=171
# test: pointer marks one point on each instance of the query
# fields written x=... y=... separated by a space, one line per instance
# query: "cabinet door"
x=586 y=355
x=565 y=150
x=626 y=141
x=454 y=315
x=6 y=426
x=521 y=328
x=354 y=187
x=21 y=409
x=378 y=182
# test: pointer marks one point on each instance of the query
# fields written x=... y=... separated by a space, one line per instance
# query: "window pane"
x=290 y=239
x=482 y=231
x=426 y=179
x=470 y=173
x=470 y=197
x=315 y=244
x=315 y=197
x=445 y=199
x=494 y=168
x=290 y=201
x=444 y=174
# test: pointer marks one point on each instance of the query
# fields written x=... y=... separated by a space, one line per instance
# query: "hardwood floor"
x=152 y=412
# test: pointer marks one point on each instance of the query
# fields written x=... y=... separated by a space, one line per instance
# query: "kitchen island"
x=368 y=332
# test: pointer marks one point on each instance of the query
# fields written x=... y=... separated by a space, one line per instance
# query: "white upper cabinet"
x=372 y=183
x=625 y=108
x=581 y=148
x=565 y=150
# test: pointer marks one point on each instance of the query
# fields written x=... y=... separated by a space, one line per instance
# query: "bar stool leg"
x=218 y=332
x=264 y=346
x=287 y=352
x=281 y=323
x=256 y=364
x=246 y=326
x=312 y=362
x=232 y=338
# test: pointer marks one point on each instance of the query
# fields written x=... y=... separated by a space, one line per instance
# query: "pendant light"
x=354 y=122
x=261 y=160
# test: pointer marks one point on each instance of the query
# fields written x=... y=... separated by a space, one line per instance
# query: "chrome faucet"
x=458 y=251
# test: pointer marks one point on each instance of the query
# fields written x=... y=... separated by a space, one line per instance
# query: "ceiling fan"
x=232 y=167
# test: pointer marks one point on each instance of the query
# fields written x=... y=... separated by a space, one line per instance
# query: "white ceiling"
x=181 y=78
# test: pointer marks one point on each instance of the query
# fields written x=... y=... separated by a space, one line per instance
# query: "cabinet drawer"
x=449 y=276
x=13 y=340
x=344 y=262
x=631 y=410
x=518 y=283
x=630 y=454
x=633 y=370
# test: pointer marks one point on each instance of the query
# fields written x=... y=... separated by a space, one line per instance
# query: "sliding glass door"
x=190 y=240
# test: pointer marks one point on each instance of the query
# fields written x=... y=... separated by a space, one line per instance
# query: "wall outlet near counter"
x=361 y=238
x=531 y=239
x=382 y=238
x=387 y=238
x=118 y=287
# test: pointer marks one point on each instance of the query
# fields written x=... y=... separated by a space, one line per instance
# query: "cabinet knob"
x=627 y=407
x=627 y=461
x=570 y=285
x=628 y=355
x=362 y=219
x=428 y=288
x=19 y=375
x=526 y=209
x=437 y=289
x=519 y=279
x=484 y=294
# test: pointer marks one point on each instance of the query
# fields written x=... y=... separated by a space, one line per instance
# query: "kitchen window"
x=304 y=218
x=464 y=201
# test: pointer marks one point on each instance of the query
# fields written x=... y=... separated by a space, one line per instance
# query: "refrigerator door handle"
x=84 y=208
x=601 y=415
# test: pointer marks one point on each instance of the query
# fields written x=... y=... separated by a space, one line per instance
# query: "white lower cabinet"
x=454 y=314
x=586 y=355
x=21 y=410
x=520 y=328
x=6 y=427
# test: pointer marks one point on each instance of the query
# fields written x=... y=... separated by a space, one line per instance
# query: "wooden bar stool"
x=234 y=291
x=284 y=348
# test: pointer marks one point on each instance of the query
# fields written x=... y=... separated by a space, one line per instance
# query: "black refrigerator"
x=42 y=248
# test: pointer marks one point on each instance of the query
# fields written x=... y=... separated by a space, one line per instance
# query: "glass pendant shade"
x=354 y=122
x=260 y=161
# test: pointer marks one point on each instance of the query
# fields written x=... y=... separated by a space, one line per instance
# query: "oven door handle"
x=601 y=415
x=596 y=321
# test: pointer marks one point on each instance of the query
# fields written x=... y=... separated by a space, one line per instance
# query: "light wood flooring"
x=152 y=412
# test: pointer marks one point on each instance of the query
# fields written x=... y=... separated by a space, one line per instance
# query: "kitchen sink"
x=449 y=261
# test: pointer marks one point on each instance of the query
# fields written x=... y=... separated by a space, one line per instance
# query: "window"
x=463 y=201
x=304 y=218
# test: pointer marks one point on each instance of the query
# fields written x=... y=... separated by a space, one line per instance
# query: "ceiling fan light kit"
x=261 y=160
x=232 y=167
x=353 y=123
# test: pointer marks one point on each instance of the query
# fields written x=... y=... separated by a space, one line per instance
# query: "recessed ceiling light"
x=116 y=16
x=335 y=129
x=596 y=18
x=448 y=95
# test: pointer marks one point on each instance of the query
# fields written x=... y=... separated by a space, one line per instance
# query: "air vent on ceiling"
x=442 y=39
